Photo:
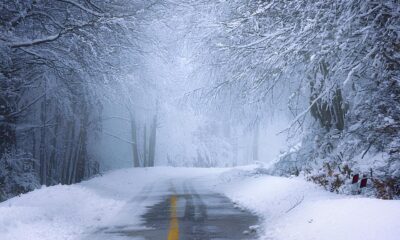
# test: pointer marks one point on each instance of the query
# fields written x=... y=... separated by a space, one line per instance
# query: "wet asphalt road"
x=183 y=212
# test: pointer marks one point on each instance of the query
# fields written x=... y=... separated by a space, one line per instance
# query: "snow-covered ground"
x=290 y=207
x=294 y=209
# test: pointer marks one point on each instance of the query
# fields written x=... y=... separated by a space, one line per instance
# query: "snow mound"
x=294 y=209
x=58 y=212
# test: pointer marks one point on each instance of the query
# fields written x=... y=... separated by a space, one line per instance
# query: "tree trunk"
x=76 y=159
x=255 y=141
x=69 y=153
x=152 y=141
x=42 y=147
x=82 y=154
x=135 y=153
x=53 y=160
x=145 y=150
x=65 y=153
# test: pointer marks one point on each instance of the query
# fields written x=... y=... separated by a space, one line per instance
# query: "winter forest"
x=307 y=88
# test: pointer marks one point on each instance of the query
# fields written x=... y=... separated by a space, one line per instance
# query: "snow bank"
x=59 y=212
x=294 y=209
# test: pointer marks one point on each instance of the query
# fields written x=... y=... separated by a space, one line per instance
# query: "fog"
x=90 y=86
x=192 y=129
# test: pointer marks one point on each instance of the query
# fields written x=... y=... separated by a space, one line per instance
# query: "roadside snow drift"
x=294 y=209
x=290 y=208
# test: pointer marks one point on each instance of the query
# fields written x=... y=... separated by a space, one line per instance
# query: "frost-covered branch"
x=80 y=6
x=119 y=138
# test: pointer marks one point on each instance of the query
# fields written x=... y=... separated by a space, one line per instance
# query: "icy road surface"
x=183 y=211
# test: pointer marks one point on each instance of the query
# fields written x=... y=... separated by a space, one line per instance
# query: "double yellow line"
x=173 y=233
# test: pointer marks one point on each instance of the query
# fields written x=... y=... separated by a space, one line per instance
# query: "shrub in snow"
x=17 y=174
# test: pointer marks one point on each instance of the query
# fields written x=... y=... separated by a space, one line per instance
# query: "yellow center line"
x=173 y=233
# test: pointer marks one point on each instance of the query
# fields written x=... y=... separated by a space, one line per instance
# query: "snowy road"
x=183 y=210
x=193 y=203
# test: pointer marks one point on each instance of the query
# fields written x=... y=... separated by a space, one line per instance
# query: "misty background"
x=305 y=87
